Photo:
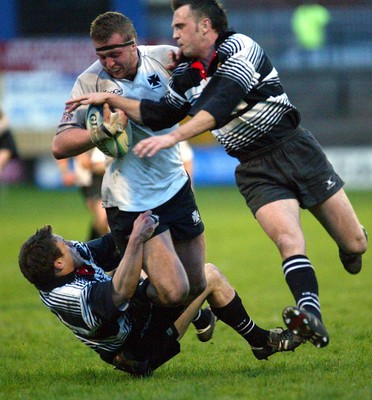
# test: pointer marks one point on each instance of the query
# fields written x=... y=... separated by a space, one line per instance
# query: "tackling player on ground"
x=115 y=316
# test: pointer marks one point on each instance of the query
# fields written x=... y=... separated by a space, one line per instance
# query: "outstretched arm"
x=198 y=124
x=130 y=106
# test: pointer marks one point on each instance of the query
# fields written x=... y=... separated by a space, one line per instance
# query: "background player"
x=8 y=148
x=86 y=172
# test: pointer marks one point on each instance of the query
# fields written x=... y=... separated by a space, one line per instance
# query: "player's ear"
x=205 y=25
x=58 y=264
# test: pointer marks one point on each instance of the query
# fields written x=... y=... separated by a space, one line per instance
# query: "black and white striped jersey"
x=241 y=89
x=82 y=300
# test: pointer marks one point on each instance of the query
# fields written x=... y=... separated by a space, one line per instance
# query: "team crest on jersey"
x=196 y=217
x=66 y=117
x=154 y=81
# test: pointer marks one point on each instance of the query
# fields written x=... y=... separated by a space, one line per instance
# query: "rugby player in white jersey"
x=175 y=254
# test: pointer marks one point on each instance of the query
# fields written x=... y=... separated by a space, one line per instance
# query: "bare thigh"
x=192 y=256
x=165 y=271
x=338 y=217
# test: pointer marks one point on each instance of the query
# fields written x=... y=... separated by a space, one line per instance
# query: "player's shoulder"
x=93 y=73
x=94 y=68
x=236 y=45
x=238 y=40
x=157 y=52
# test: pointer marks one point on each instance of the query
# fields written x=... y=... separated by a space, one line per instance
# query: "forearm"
x=71 y=142
x=198 y=124
x=129 y=106
x=128 y=273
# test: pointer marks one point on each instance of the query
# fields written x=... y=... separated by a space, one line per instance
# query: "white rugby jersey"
x=131 y=183
x=92 y=318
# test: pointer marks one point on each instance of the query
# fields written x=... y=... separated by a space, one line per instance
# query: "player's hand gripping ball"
x=110 y=133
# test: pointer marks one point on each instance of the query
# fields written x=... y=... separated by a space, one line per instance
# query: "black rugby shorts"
x=180 y=215
x=296 y=169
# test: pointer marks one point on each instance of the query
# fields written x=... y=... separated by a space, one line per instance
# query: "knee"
x=288 y=245
x=215 y=278
x=360 y=243
x=174 y=296
x=196 y=289
x=211 y=272
x=198 y=284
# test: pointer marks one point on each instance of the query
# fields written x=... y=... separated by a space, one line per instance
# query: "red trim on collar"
x=84 y=270
x=199 y=66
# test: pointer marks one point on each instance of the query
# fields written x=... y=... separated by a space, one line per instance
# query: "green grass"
x=41 y=359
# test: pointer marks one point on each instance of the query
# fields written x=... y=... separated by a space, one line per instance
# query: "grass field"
x=41 y=359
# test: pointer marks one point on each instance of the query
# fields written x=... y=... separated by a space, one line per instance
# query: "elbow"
x=57 y=150
x=60 y=150
x=57 y=155
x=121 y=295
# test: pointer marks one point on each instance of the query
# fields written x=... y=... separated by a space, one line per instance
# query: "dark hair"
x=37 y=256
x=105 y=25
x=211 y=9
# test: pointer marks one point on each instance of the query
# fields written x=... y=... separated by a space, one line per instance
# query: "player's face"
x=120 y=62
x=187 y=32
x=70 y=257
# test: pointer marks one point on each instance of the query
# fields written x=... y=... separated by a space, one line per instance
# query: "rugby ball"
x=118 y=145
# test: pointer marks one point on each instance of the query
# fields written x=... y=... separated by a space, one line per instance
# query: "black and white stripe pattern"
x=250 y=67
x=300 y=274
x=261 y=101
x=73 y=307
x=309 y=300
x=296 y=263
x=248 y=128
x=245 y=327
